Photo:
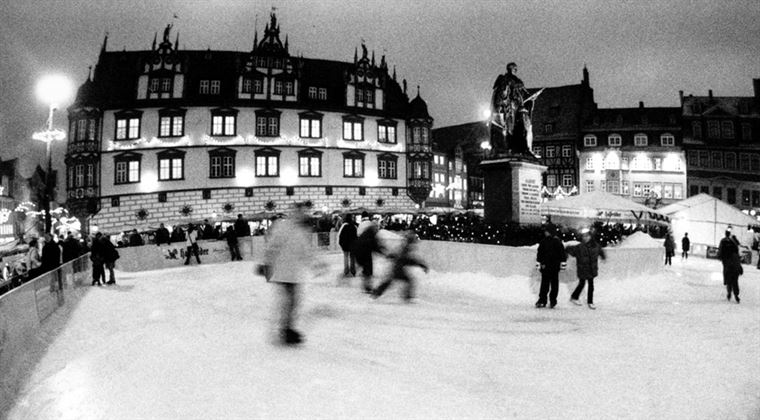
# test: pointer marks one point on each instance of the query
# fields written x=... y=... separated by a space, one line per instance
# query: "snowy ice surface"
x=196 y=343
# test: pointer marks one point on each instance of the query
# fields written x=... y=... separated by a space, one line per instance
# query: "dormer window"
x=160 y=85
x=667 y=140
x=614 y=140
x=640 y=140
x=589 y=140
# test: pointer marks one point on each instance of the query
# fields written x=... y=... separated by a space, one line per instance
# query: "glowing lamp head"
x=485 y=145
x=54 y=90
x=486 y=113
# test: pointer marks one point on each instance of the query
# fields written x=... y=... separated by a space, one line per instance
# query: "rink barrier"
x=24 y=309
x=157 y=257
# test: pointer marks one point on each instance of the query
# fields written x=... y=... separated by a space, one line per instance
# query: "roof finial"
x=356 y=55
x=105 y=42
x=176 y=42
x=418 y=90
x=286 y=43
x=394 y=72
x=89 y=73
x=155 y=36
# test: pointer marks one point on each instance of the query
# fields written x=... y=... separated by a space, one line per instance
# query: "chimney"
x=756 y=86
x=641 y=104
x=709 y=93
x=680 y=95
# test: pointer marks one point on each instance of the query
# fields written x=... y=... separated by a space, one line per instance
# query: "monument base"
x=512 y=190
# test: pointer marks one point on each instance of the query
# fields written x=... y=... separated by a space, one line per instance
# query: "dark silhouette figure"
x=232 y=243
x=587 y=255
x=399 y=271
x=550 y=256
x=685 y=246
x=728 y=253
x=162 y=235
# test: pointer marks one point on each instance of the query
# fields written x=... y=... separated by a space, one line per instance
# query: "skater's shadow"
x=120 y=287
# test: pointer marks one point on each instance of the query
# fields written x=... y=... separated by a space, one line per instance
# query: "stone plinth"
x=512 y=190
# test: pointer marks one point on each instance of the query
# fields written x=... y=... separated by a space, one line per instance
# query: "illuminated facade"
x=449 y=179
x=723 y=147
x=634 y=152
x=238 y=132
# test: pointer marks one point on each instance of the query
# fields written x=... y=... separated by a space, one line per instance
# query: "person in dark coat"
x=670 y=249
x=366 y=243
x=162 y=235
x=110 y=255
x=685 y=246
x=135 y=239
x=192 y=244
x=401 y=261
x=550 y=258
x=346 y=240
x=208 y=230
x=241 y=227
x=177 y=235
x=70 y=248
x=232 y=242
x=587 y=255
x=51 y=254
x=96 y=256
x=728 y=253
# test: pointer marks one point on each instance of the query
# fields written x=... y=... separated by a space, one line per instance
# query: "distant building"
x=722 y=142
x=165 y=129
x=15 y=191
x=558 y=116
x=634 y=152
x=449 y=182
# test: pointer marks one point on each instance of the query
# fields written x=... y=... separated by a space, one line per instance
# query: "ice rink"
x=196 y=343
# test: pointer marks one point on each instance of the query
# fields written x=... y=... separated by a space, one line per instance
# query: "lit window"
x=166 y=85
x=551 y=181
x=589 y=141
x=203 y=88
x=353 y=165
x=386 y=166
x=640 y=140
x=590 y=163
x=311 y=126
x=323 y=94
x=258 y=86
x=386 y=132
x=170 y=167
x=223 y=125
x=550 y=151
x=614 y=140
x=353 y=129
x=289 y=88
x=247 y=85
x=637 y=189
x=127 y=126
x=267 y=163
x=127 y=169
x=567 y=180
x=171 y=123
x=312 y=92
x=278 y=87
x=567 y=151
x=667 y=140
x=589 y=186
x=309 y=163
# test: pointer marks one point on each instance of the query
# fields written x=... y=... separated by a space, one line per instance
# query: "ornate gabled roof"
x=271 y=45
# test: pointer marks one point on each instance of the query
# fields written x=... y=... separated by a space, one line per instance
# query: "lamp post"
x=52 y=90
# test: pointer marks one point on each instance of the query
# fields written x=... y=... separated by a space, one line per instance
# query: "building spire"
x=286 y=43
x=89 y=73
x=418 y=90
x=394 y=73
x=153 y=46
x=585 y=75
x=105 y=43
x=356 y=54
x=176 y=42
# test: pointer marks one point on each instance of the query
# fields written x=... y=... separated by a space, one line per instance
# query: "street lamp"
x=52 y=90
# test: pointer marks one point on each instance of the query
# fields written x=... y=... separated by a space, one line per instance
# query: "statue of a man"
x=510 y=110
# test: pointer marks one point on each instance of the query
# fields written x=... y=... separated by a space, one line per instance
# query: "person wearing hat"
x=728 y=253
x=587 y=255
x=550 y=258
x=401 y=261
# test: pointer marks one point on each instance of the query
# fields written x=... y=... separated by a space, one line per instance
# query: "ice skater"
x=587 y=255
x=346 y=240
x=685 y=246
x=399 y=271
x=366 y=243
x=286 y=256
x=232 y=243
x=97 y=257
x=670 y=248
x=728 y=253
x=550 y=257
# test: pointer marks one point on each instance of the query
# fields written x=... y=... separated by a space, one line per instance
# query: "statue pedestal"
x=512 y=190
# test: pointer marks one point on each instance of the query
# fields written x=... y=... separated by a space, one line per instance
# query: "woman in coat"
x=587 y=255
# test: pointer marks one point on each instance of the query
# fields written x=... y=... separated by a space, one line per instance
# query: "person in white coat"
x=286 y=257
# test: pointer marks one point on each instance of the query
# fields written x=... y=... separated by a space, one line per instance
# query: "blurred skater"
x=670 y=248
x=286 y=257
x=96 y=256
x=192 y=244
x=232 y=243
x=685 y=246
x=346 y=240
x=366 y=243
x=110 y=255
x=728 y=253
x=399 y=272
x=550 y=258
x=587 y=255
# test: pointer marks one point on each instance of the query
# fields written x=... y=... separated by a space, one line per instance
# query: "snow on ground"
x=195 y=343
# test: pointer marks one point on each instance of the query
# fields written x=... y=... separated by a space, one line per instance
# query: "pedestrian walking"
x=109 y=255
x=587 y=255
x=286 y=256
x=366 y=243
x=728 y=253
x=346 y=239
x=192 y=244
x=96 y=256
x=399 y=271
x=550 y=258
x=670 y=248
x=232 y=243
x=685 y=246
x=241 y=227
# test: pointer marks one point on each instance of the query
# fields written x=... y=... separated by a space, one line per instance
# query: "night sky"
x=634 y=50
